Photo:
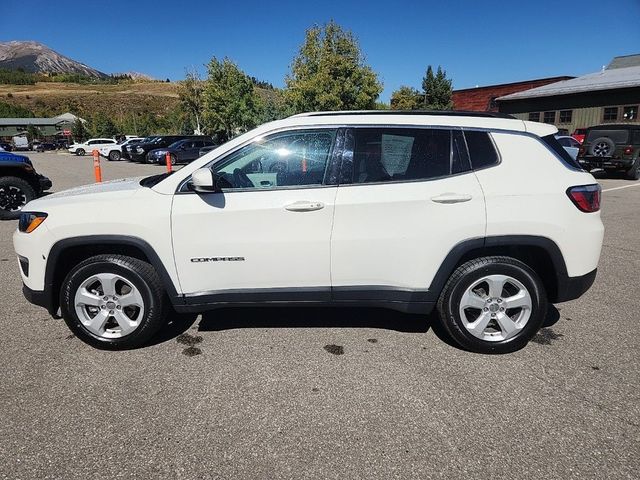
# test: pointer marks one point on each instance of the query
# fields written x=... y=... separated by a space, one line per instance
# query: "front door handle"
x=451 y=198
x=304 y=206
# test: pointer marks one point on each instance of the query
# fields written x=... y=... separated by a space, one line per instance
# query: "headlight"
x=29 y=221
x=139 y=149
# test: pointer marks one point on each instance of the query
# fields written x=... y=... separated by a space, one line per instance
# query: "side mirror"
x=204 y=181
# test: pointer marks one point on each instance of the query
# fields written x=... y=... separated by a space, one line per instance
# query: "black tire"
x=174 y=159
x=634 y=172
x=15 y=192
x=80 y=152
x=472 y=271
x=602 y=147
x=115 y=155
x=142 y=275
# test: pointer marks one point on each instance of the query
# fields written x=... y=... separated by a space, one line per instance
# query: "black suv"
x=612 y=148
x=182 y=151
x=19 y=184
x=138 y=152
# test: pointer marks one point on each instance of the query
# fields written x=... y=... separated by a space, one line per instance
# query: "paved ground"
x=257 y=395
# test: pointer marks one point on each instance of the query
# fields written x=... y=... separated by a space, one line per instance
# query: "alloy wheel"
x=495 y=308
x=109 y=305
x=601 y=149
x=12 y=198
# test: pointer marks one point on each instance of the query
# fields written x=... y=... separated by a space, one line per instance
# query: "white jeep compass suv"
x=482 y=216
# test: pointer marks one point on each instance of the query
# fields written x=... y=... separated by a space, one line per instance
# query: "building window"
x=566 y=116
x=534 y=116
x=493 y=104
x=549 y=117
x=630 y=113
x=610 y=114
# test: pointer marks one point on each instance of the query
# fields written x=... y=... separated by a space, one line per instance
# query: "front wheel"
x=113 y=302
x=15 y=193
x=80 y=152
x=493 y=305
x=114 y=155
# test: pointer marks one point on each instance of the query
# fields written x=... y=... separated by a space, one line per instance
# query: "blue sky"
x=477 y=42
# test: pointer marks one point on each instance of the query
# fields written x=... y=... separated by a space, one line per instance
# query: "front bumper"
x=41 y=299
x=44 y=182
x=589 y=163
x=138 y=157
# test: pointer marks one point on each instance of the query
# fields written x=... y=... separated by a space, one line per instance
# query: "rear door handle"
x=451 y=198
x=304 y=206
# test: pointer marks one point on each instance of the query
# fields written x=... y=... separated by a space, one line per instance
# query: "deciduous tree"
x=229 y=100
x=406 y=98
x=330 y=73
x=191 y=92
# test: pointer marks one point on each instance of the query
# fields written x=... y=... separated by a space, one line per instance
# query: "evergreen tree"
x=437 y=90
x=78 y=130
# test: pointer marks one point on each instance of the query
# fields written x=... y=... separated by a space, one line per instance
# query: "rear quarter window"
x=618 y=136
x=552 y=142
x=482 y=151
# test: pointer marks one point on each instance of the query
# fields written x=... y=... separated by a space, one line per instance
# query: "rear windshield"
x=552 y=142
x=618 y=136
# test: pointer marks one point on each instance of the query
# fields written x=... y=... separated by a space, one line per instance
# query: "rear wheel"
x=493 y=305
x=114 y=155
x=634 y=172
x=113 y=302
x=15 y=193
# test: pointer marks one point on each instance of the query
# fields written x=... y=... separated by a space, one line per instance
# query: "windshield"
x=618 y=136
x=177 y=144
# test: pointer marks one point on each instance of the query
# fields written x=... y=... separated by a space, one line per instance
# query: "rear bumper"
x=589 y=163
x=571 y=288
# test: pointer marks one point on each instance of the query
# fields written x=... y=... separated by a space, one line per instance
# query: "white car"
x=570 y=144
x=90 y=145
x=114 y=152
x=477 y=216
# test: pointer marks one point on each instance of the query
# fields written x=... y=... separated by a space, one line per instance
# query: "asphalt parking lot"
x=250 y=393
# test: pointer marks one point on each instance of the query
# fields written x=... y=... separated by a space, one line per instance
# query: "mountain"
x=136 y=76
x=38 y=58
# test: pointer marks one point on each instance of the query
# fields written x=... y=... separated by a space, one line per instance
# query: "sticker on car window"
x=396 y=153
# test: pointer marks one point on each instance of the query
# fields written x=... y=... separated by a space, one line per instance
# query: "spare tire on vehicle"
x=602 y=147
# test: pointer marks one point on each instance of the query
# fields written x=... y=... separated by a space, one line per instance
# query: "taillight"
x=628 y=150
x=585 y=197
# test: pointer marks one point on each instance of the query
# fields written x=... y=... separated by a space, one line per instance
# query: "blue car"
x=19 y=184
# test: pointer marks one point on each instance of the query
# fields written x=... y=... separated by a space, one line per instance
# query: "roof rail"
x=447 y=113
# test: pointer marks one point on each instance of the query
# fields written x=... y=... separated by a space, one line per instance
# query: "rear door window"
x=402 y=154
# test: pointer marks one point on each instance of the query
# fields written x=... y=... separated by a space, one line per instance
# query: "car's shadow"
x=314 y=317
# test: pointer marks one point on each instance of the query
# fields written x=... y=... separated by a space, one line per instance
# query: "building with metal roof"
x=611 y=95
x=48 y=127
